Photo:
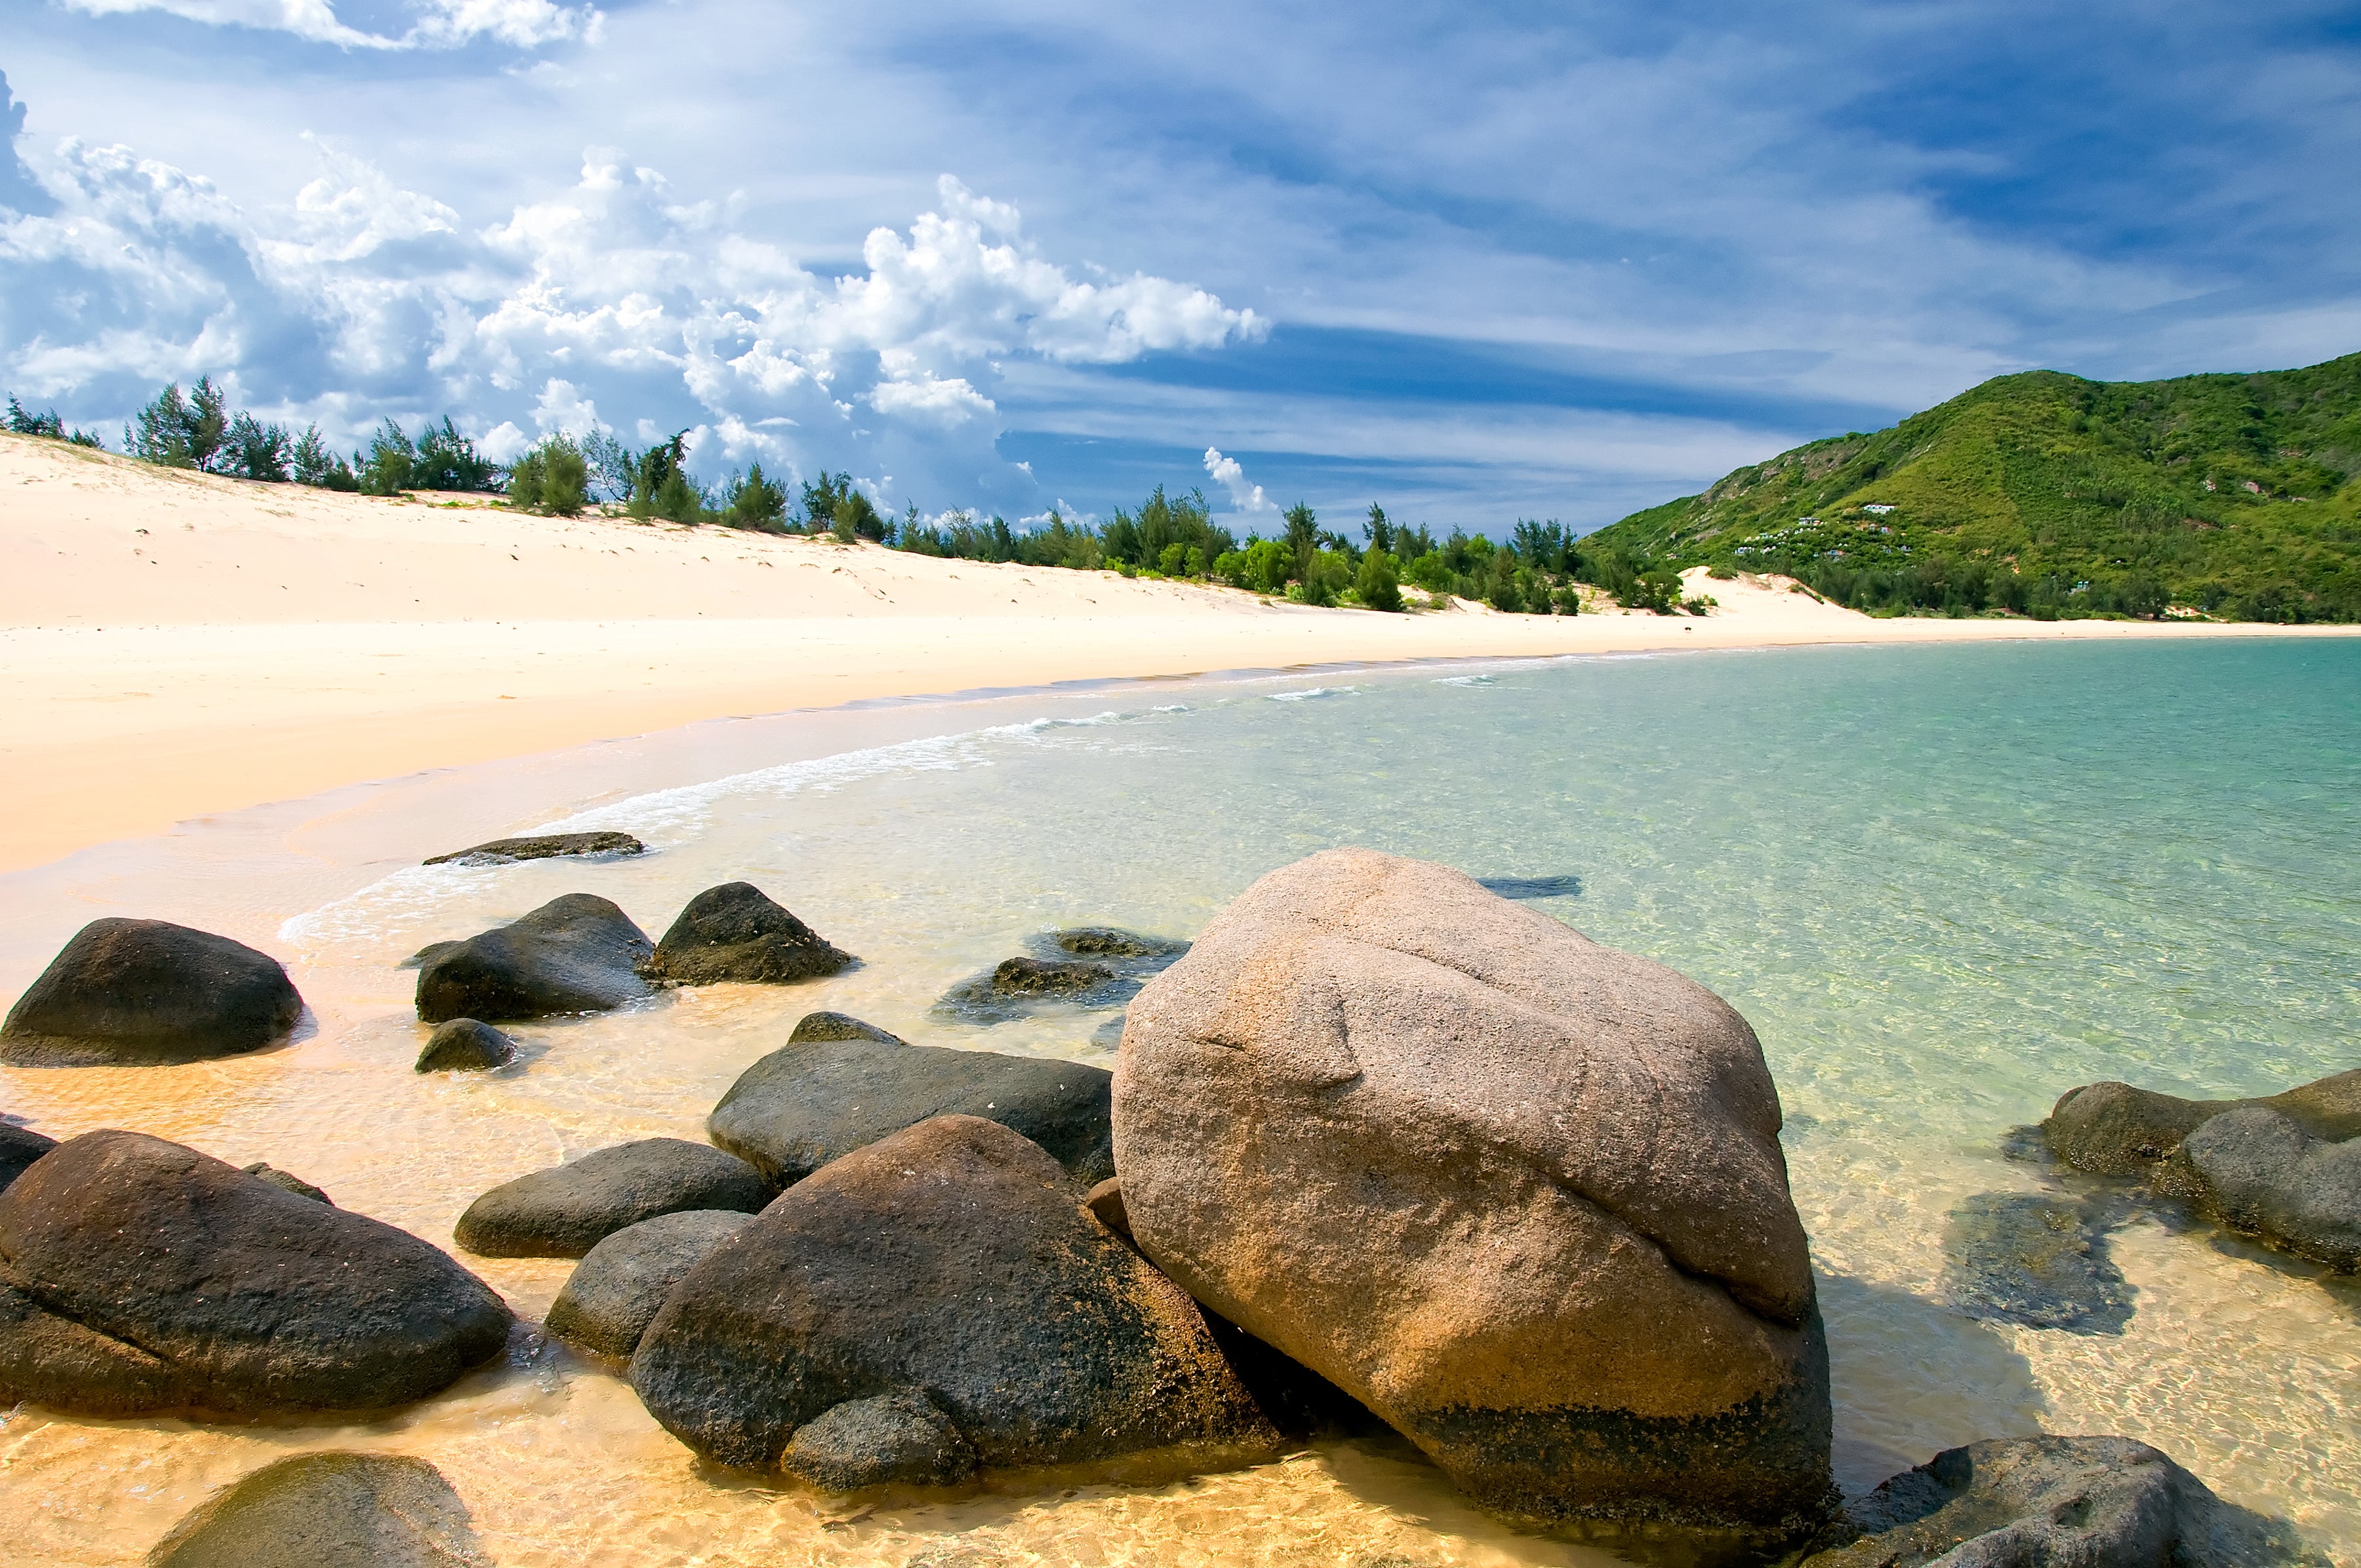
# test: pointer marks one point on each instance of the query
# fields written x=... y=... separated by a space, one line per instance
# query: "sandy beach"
x=178 y=646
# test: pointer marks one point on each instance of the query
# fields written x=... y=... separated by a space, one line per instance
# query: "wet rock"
x=288 y=1184
x=1081 y=966
x=838 y=1027
x=898 y=1438
x=542 y=847
x=568 y=1210
x=1107 y=942
x=1519 y=1194
x=2114 y=1129
x=1034 y=977
x=2093 y=1502
x=20 y=1146
x=735 y=933
x=465 y=1044
x=143 y=1276
x=953 y=1258
x=149 y=990
x=1105 y=1201
x=810 y=1102
x=2258 y=1172
x=574 y=954
x=616 y=1289
x=328 y=1510
x=2036 y=1259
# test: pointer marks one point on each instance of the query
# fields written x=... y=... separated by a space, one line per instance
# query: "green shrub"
x=1375 y=585
x=386 y=470
x=754 y=502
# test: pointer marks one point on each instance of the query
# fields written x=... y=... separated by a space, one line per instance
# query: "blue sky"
x=1471 y=262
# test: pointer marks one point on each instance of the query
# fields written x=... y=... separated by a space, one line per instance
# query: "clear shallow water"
x=1944 y=883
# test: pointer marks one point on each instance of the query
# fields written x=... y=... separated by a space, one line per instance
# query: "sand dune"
x=178 y=645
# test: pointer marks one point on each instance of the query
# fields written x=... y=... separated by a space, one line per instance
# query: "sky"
x=1471 y=262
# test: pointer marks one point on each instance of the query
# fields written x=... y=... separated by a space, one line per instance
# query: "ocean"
x=1945 y=884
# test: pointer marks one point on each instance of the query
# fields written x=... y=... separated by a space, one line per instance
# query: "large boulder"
x=953 y=1257
x=814 y=1100
x=137 y=1275
x=328 y=1510
x=574 y=954
x=542 y=847
x=149 y=990
x=2114 y=1129
x=566 y=1211
x=20 y=1146
x=2260 y=1172
x=615 y=1291
x=2047 y=1502
x=736 y=932
x=1519 y=1194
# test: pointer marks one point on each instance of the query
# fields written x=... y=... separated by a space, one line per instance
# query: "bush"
x=386 y=470
x=1656 y=589
x=1264 y=565
x=1375 y=585
x=1566 y=599
x=446 y=460
x=1325 y=578
x=176 y=431
x=755 y=502
x=253 y=450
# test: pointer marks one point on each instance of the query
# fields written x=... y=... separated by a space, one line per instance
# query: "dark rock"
x=1106 y=942
x=543 y=847
x=806 y=1104
x=838 y=1027
x=1053 y=979
x=898 y=1438
x=2047 y=1502
x=142 y=1276
x=20 y=1146
x=287 y=1183
x=735 y=933
x=1531 y=887
x=328 y=1510
x=149 y=990
x=953 y=1258
x=2258 y=1172
x=2114 y=1129
x=465 y=1044
x=1106 y=1201
x=2036 y=1259
x=615 y=1290
x=574 y=954
x=568 y=1210
x=1034 y=977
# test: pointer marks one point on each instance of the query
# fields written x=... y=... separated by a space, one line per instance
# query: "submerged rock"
x=815 y=1099
x=574 y=954
x=2260 y=1173
x=287 y=1182
x=568 y=1210
x=1107 y=942
x=616 y=1289
x=20 y=1146
x=145 y=991
x=2036 y=1259
x=952 y=1257
x=542 y=847
x=901 y=1437
x=465 y=1044
x=736 y=933
x=1519 y=1194
x=1035 y=977
x=2092 y=1502
x=328 y=1510
x=142 y=1275
x=2114 y=1129
x=1531 y=887
x=1082 y=966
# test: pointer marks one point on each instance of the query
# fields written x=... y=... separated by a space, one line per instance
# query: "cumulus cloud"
x=362 y=298
x=442 y=24
x=1227 y=473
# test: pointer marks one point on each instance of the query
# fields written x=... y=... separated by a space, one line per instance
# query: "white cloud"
x=1227 y=473
x=443 y=24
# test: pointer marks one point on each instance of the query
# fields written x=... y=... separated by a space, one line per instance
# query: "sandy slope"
x=177 y=644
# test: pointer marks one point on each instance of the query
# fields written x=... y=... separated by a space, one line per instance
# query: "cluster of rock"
x=1086 y=967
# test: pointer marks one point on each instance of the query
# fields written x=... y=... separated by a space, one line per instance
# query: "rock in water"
x=149 y=990
x=20 y=1146
x=568 y=1210
x=2258 y=1172
x=465 y=1044
x=2114 y=1129
x=542 y=847
x=899 y=1437
x=2033 y=1502
x=574 y=954
x=1519 y=1194
x=2024 y=1257
x=616 y=1289
x=328 y=1510
x=142 y=1275
x=816 y=1098
x=734 y=932
x=953 y=1257
x=838 y=1027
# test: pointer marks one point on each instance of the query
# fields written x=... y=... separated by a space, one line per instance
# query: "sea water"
x=1944 y=883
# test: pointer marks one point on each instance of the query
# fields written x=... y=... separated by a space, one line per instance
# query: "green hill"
x=2237 y=495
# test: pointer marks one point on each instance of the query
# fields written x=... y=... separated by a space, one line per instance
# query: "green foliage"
x=1375 y=585
x=612 y=466
x=446 y=460
x=677 y=498
x=386 y=469
x=656 y=467
x=253 y=450
x=22 y=422
x=754 y=502
x=311 y=462
x=2046 y=494
x=177 y=432
x=1325 y=578
x=552 y=478
x=1142 y=539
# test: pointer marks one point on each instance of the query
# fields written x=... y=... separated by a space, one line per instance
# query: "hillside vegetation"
x=2236 y=495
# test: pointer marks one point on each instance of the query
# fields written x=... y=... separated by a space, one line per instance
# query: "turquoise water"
x=1945 y=884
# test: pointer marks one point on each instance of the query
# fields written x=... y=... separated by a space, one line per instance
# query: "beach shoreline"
x=181 y=645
